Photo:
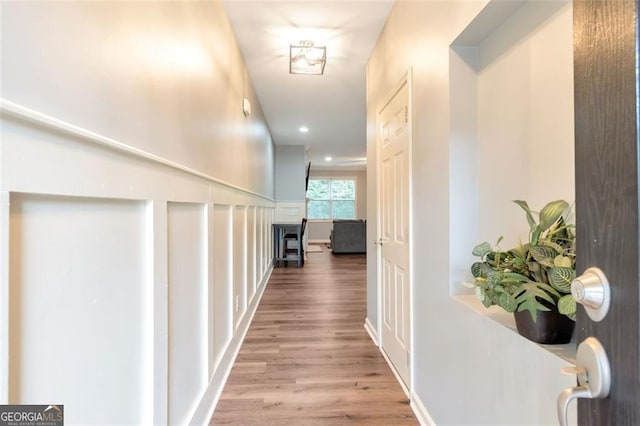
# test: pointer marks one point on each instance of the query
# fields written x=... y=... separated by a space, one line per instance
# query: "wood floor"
x=307 y=360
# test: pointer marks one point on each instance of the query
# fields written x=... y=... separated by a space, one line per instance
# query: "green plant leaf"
x=561 y=261
x=548 y=289
x=527 y=298
x=561 y=278
x=548 y=243
x=481 y=250
x=567 y=305
x=551 y=213
x=486 y=301
x=543 y=255
x=536 y=271
x=535 y=235
x=513 y=277
x=533 y=306
x=480 y=269
x=507 y=302
x=525 y=207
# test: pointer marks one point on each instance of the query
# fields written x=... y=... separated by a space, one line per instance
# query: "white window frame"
x=355 y=196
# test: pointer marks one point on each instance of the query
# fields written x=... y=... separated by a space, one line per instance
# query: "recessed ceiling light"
x=328 y=158
x=303 y=129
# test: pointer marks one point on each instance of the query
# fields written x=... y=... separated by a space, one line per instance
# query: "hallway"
x=307 y=358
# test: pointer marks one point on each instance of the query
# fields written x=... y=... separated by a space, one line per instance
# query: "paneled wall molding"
x=290 y=211
x=204 y=411
x=39 y=119
x=158 y=335
x=132 y=245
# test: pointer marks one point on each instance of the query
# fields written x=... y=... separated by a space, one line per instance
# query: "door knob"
x=591 y=290
x=594 y=376
x=378 y=242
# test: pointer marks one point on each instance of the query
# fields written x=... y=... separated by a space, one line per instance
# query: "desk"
x=279 y=249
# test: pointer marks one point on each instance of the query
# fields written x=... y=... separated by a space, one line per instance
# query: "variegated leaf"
x=543 y=254
x=481 y=249
x=567 y=305
x=552 y=212
x=507 y=302
x=561 y=278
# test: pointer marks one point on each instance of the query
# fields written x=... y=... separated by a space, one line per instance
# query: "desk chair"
x=296 y=250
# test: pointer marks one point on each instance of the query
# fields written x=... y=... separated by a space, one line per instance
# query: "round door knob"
x=591 y=290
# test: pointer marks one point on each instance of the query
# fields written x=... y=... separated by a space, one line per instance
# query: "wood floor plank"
x=307 y=360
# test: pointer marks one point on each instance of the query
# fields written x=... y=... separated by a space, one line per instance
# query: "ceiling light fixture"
x=306 y=58
x=303 y=129
x=327 y=158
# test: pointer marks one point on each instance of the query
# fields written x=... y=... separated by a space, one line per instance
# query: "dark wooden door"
x=606 y=114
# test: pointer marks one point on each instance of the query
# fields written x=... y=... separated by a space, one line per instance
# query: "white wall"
x=132 y=191
x=164 y=77
x=320 y=230
x=487 y=111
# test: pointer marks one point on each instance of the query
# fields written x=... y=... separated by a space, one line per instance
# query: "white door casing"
x=394 y=142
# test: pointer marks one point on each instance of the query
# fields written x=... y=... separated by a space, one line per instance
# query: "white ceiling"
x=331 y=105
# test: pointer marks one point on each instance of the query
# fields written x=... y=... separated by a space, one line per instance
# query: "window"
x=331 y=198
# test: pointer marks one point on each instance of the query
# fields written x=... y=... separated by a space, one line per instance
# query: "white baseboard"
x=420 y=411
x=319 y=241
x=372 y=331
x=404 y=387
x=417 y=407
x=211 y=396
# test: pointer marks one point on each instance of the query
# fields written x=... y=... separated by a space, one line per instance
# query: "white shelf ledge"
x=566 y=352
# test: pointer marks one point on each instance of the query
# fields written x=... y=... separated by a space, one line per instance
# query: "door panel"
x=387 y=280
x=606 y=107
x=394 y=218
x=386 y=202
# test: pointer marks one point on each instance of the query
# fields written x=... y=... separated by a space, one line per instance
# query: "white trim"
x=209 y=400
x=373 y=334
x=319 y=241
x=420 y=411
x=403 y=385
x=209 y=286
x=154 y=184
x=51 y=123
x=4 y=297
x=158 y=306
x=411 y=228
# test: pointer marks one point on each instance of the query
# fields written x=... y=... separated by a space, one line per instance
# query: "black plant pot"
x=550 y=328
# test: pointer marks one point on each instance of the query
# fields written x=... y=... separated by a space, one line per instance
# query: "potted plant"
x=533 y=280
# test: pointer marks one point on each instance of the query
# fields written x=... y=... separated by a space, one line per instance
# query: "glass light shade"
x=307 y=58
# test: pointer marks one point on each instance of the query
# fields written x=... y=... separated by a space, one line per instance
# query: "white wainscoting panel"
x=188 y=307
x=267 y=240
x=259 y=246
x=251 y=253
x=78 y=311
x=118 y=279
x=222 y=279
x=239 y=264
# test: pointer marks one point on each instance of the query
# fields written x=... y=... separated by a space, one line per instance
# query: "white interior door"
x=393 y=195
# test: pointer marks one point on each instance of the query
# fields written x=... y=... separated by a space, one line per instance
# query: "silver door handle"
x=592 y=291
x=378 y=242
x=594 y=376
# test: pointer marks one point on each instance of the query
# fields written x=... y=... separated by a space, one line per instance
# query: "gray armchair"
x=349 y=236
